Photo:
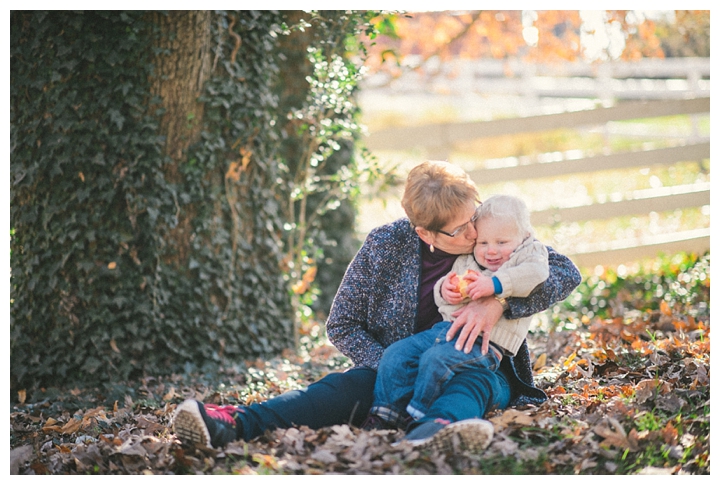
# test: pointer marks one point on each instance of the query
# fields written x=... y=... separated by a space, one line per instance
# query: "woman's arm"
x=347 y=322
x=564 y=277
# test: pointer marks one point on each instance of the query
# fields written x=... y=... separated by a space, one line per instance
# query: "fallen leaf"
x=133 y=447
x=504 y=445
x=614 y=434
x=670 y=434
x=268 y=461
x=665 y=308
x=324 y=456
x=512 y=416
x=18 y=457
x=569 y=360
x=72 y=426
x=170 y=395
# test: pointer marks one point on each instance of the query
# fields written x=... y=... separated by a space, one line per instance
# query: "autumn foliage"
x=412 y=39
x=625 y=363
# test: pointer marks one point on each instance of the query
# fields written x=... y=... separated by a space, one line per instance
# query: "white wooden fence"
x=439 y=139
x=674 y=78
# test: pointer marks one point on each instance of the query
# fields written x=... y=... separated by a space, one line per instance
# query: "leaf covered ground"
x=625 y=361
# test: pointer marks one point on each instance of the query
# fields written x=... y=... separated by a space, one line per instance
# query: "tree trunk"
x=182 y=64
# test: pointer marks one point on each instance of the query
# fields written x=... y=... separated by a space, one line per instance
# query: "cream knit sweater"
x=520 y=275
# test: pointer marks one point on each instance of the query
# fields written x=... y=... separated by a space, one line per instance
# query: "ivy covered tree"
x=160 y=217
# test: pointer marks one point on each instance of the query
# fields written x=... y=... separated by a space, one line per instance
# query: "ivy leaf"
x=116 y=118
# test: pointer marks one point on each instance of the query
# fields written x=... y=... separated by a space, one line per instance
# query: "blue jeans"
x=337 y=398
x=470 y=394
x=413 y=372
x=346 y=397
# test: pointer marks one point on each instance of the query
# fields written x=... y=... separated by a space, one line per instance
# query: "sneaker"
x=205 y=424
x=443 y=436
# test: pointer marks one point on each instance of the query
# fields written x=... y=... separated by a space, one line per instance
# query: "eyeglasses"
x=461 y=230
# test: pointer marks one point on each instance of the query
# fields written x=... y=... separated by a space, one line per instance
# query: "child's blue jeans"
x=413 y=372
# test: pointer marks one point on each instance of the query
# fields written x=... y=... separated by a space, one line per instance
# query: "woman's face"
x=464 y=240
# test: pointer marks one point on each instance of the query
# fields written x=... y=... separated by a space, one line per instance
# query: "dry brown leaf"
x=614 y=434
x=512 y=416
x=132 y=447
x=670 y=434
x=72 y=426
x=504 y=445
x=170 y=395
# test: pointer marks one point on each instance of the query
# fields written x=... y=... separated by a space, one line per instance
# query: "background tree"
x=687 y=36
x=149 y=188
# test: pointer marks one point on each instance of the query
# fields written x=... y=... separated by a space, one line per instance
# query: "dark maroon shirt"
x=435 y=265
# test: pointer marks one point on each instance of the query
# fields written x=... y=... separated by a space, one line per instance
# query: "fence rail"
x=643 y=158
x=439 y=141
x=643 y=202
x=439 y=137
x=673 y=78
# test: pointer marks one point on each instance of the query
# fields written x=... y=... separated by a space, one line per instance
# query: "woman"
x=387 y=295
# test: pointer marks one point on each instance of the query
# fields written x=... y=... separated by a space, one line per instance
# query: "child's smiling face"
x=497 y=239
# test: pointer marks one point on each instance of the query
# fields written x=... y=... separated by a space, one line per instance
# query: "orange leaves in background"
x=469 y=34
x=304 y=284
x=238 y=166
x=499 y=34
x=558 y=36
x=640 y=40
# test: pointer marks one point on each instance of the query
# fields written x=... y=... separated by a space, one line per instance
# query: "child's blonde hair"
x=508 y=207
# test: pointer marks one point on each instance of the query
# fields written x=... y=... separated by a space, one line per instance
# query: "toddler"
x=507 y=261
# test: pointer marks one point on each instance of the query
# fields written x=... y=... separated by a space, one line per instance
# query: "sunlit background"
x=446 y=70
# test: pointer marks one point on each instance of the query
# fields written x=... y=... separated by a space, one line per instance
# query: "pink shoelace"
x=223 y=413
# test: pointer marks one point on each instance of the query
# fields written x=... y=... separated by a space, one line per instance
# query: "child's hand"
x=480 y=286
x=449 y=289
x=464 y=282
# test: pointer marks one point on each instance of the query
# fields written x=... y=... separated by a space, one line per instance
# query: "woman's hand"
x=477 y=318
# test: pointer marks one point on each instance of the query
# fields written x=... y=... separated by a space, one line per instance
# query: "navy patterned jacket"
x=377 y=303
